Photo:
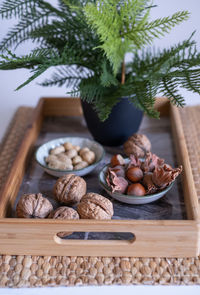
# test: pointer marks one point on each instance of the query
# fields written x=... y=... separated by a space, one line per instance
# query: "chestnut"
x=136 y=189
x=134 y=174
x=117 y=160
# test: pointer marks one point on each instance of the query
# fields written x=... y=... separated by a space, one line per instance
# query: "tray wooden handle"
x=92 y=242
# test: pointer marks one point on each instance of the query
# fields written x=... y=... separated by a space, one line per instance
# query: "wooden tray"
x=152 y=238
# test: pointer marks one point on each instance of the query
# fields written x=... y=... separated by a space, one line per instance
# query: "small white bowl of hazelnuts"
x=138 y=181
x=66 y=155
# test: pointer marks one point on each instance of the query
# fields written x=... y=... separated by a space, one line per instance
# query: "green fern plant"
x=87 y=41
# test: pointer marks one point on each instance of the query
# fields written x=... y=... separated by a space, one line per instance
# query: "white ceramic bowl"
x=43 y=151
x=129 y=199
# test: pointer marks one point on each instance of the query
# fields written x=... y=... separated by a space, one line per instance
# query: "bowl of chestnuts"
x=136 y=180
x=66 y=155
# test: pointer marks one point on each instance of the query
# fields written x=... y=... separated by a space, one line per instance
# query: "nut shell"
x=134 y=174
x=138 y=145
x=88 y=157
x=33 y=206
x=57 y=150
x=76 y=160
x=117 y=160
x=69 y=189
x=64 y=158
x=83 y=150
x=64 y=213
x=71 y=153
x=95 y=206
x=80 y=165
x=136 y=189
x=68 y=146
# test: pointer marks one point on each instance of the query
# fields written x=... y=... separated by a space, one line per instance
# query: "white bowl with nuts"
x=66 y=155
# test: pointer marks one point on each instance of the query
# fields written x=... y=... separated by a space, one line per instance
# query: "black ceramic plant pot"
x=123 y=121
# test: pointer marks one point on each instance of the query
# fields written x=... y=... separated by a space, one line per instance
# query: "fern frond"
x=107 y=78
x=36 y=57
x=68 y=76
x=143 y=35
x=22 y=29
x=37 y=72
x=122 y=25
x=16 y=8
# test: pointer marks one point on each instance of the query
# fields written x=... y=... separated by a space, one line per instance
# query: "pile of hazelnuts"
x=131 y=177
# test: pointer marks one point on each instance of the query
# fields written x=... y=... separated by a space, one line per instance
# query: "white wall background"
x=29 y=95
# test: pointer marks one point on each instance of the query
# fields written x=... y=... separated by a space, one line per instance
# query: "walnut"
x=69 y=189
x=88 y=156
x=57 y=150
x=95 y=206
x=64 y=213
x=138 y=145
x=33 y=206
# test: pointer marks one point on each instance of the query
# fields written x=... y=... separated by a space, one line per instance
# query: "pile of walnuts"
x=68 y=190
x=70 y=157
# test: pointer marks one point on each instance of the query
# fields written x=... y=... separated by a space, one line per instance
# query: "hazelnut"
x=83 y=150
x=89 y=157
x=80 y=165
x=134 y=174
x=76 y=160
x=95 y=206
x=71 y=153
x=33 y=206
x=69 y=189
x=117 y=160
x=136 y=189
x=68 y=146
x=138 y=145
x=57 y=150
x=119 y=171
x=64 y=213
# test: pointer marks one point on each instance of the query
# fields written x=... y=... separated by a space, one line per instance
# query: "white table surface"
x=10 y=100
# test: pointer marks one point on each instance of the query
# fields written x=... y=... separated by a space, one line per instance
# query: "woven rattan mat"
x=32 y=271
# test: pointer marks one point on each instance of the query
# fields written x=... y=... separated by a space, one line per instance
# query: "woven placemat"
x=34 y=271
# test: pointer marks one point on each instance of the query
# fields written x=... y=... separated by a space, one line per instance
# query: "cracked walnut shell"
x=95 y=206
x=138 y=145
x=69 y=189
x=64 y=213
x=33 y=206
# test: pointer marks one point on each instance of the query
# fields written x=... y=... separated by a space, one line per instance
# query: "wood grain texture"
x=153 y=238
x=70 y=106
x=190 y=195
